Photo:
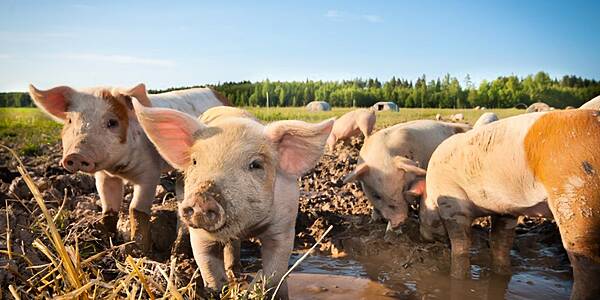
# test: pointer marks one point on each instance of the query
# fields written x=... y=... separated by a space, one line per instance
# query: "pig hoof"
x=140 y=230
x=182 y=245
x=108 y=223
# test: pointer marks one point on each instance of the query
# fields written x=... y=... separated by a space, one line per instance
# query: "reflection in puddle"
x=528 y=284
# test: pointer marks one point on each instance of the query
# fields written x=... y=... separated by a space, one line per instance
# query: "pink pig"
x=240 y=181
x=352 y=124
x=101 y=136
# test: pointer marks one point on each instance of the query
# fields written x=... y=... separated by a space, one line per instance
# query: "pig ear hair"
x=53 y=102
x=171 y=131
x=409 y=165
x=299 y=144
x=358 y=172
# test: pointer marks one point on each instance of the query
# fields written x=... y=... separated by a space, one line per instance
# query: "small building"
x=538 y=106
x=521 y=106
x=381 y=106
x=318 y=106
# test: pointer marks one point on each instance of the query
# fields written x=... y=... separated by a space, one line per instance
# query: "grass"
x=26 y=129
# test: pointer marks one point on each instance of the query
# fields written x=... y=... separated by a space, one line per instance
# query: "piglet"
x=240 y=181
x=101 y=136
x=352 y=124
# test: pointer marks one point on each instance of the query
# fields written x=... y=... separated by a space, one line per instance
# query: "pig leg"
x=579 y=225
x=209 y=257
x=139 y=214
x=331 y=141
x=110 y=190
x=457 y=220
x=231 y=257
x=275 y=253
x=182 y=242
x=501 y=240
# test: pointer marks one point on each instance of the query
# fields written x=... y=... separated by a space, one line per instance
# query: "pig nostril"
x=85 y=164
x=211 y=215
x=69 y=162
x=187 y=212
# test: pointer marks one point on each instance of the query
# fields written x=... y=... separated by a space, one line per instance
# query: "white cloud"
x=120 y=59
x=337 y=15
x=5 y=56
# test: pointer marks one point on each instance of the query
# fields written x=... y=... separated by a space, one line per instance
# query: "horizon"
x=81 y=43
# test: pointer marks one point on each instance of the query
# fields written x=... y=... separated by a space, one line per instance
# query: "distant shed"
x=381 y=106
x=318 y=106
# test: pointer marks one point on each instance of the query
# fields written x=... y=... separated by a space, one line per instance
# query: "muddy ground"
x=357 y=246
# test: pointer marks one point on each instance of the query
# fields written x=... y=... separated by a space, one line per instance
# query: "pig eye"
x=255 y=165
x=194 y=161
x=69 y=120
x=112 y=123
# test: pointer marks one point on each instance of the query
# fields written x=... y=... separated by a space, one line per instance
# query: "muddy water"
x=540 y=271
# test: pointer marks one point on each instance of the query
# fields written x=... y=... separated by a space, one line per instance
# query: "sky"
x=183 y=43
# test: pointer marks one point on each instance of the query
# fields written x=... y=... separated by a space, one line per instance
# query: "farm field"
x=383 y=265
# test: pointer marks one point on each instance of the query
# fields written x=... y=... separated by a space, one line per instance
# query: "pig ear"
x=138 y=92
x=417 y=188
x=53 y=102
x=357 y=173
x=408 y=165
x=299 y=144
x=171 y=131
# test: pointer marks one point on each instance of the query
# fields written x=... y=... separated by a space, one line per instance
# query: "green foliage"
x=446 y=92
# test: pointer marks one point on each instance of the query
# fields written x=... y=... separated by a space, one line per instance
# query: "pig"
x=240 y=181
x=101 y=136
x=393 y=161
x=592 y=104
x=352 y=124
x=486 y=118
x=438 y=117
x=518 y=166
x=457 y=117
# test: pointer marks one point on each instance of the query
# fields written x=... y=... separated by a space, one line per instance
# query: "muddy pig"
x=352 y=124
x=538 y=164
x=101 y=136
x=392 y=163
x=240 y=181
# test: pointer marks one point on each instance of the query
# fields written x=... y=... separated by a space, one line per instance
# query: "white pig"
x=392 y=164
x=101 y=136
x=240 y=181
x=352 y=124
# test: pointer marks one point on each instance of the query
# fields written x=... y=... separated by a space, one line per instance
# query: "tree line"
x=445 y=92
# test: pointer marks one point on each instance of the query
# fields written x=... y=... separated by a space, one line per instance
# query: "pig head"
x=95 y=123
x=391 y=184
x=240 y=181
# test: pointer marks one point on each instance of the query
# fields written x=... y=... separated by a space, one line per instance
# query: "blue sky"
x=176 y=43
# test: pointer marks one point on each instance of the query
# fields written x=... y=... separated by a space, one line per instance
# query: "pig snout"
x=203 y=211
x=78 y=162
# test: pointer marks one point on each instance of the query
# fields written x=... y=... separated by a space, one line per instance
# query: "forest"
x=446 y=92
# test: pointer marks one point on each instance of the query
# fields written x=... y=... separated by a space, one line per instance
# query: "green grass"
x=28 y=128
x=384 y=119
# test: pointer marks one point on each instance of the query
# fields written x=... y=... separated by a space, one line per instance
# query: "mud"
x=358 y=259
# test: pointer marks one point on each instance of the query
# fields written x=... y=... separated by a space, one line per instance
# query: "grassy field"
x=28 y=128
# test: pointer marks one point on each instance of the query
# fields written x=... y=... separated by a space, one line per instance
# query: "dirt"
x=388 y=264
